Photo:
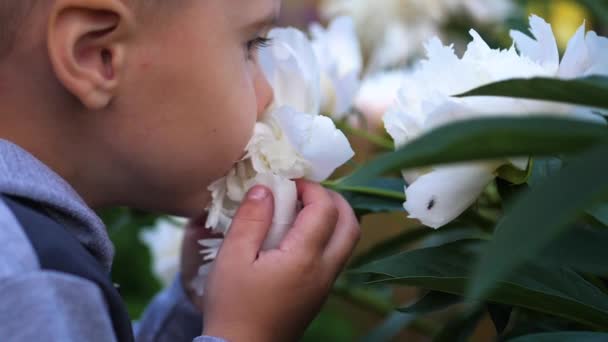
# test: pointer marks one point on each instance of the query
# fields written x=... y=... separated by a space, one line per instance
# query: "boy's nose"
x=265 y=94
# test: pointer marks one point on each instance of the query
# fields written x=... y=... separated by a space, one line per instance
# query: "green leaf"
x=540 y=216
x=489 y=138
x=431 y=302
x=588 y=91
x=412 y=235
x=565 y=336
x=390 y=246
x=366 y=204
x=543 y=288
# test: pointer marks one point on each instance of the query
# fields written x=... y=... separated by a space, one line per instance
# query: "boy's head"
x=134 y=102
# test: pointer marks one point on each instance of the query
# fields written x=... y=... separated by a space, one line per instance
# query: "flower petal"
x=543 y=49
x=575 y=58
x=598 y=54
x=337 y=47
x=285 y=196
x=442 y=195
x=292 y=70
x=316 y=139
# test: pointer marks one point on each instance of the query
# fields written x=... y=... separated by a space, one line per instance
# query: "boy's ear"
x=87 y=42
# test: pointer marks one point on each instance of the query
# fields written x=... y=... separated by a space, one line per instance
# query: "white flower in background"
x=291 y=141
x=393 y=31
x=318 y=75
x=377 y=94
x=435 y=196
x=339 y=56
x=164 y=241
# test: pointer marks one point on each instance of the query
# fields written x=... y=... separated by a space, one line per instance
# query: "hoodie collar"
x=22 y=175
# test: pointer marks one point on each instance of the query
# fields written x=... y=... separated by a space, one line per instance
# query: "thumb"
x=250 y=224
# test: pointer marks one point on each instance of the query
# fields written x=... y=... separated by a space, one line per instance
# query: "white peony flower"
x=339 y=56
x=291 y=67
x=315 y=76
x=376 y=95
x=164 y=241
x=393 y=31
x=438 y=195
x=290 y=142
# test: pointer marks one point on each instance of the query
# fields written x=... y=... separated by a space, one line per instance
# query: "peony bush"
x=492 y=164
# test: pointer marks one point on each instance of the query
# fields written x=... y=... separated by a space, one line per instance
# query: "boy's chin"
x=193 y=208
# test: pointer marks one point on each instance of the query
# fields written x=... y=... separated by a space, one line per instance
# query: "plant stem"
x=375 y=139
x=336 y=186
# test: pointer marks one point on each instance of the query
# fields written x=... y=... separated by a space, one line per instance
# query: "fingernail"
x=258 y=193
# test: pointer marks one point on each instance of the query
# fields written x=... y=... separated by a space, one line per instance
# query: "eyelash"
x=254 y=45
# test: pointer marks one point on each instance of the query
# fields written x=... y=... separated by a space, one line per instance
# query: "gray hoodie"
x=42 y=305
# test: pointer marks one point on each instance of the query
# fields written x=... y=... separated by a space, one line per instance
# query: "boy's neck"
x=45 y=135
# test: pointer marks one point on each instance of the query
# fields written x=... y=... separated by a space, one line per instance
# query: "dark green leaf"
x=543 y=168
x=391 y=188
x=566 y=336
x=600 y=213
x=390 y=246
x=412 y=235
x=481 y=139
x=589 y=91
x=538 y=287
x=540 y=216
x=581 y=249
x=509 y=193
x=375 y=196
x=431 y=302
x=366 y=204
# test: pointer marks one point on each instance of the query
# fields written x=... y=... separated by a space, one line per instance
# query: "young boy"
x=144 y=103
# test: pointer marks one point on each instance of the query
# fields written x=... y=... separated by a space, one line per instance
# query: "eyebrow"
x=268 y=21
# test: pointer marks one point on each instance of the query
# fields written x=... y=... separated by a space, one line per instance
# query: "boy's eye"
x=254 y=45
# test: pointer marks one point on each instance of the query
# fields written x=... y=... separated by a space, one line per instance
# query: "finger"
x=315 y=223
x=345 y=237
x=250 y=224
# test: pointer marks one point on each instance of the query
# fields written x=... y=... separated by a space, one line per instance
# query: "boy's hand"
x=273 y=295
